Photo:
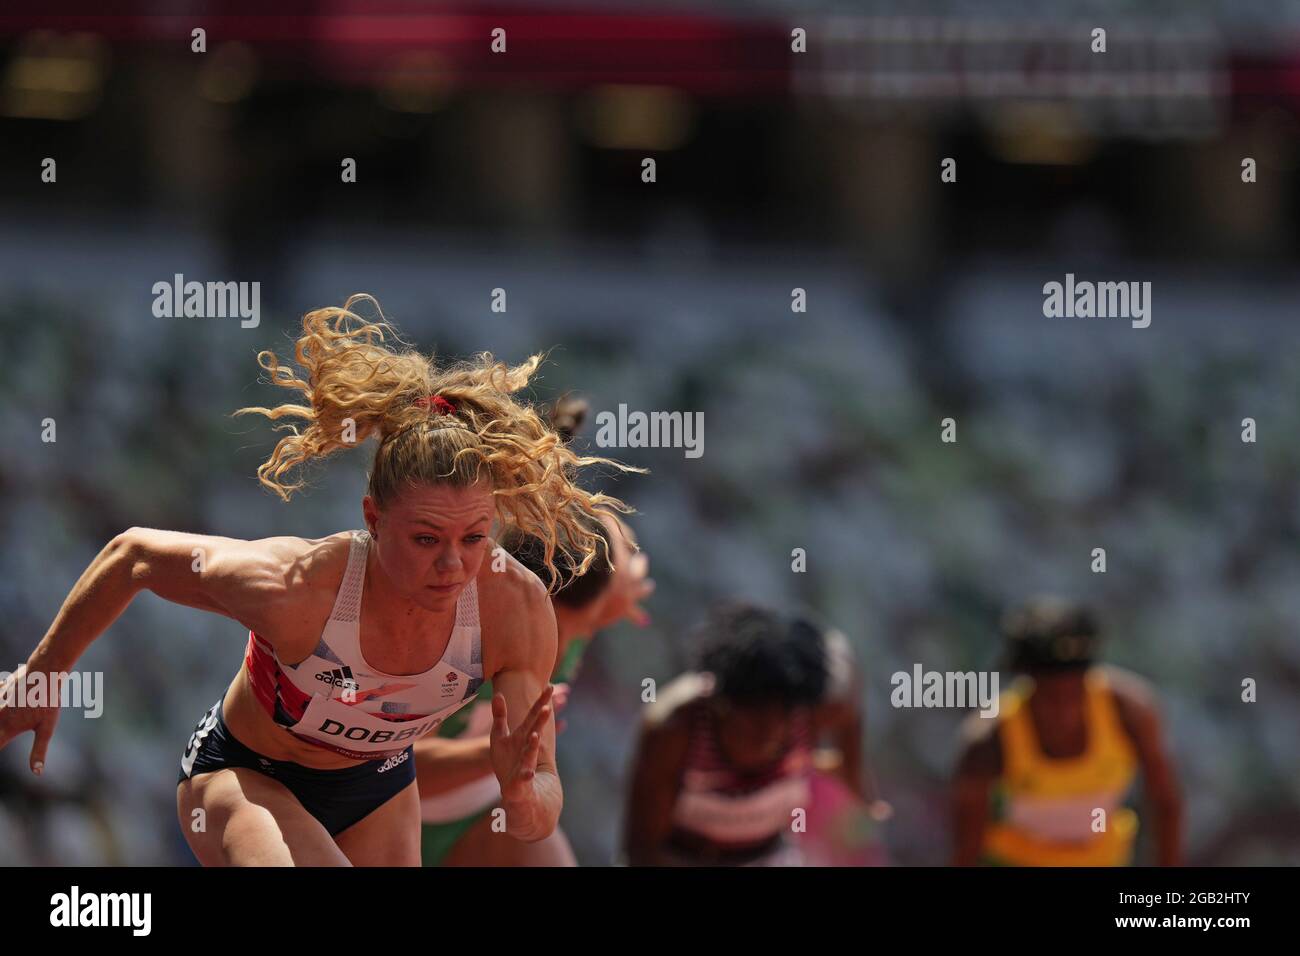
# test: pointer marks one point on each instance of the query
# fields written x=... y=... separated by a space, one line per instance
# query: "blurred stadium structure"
x=776 y=170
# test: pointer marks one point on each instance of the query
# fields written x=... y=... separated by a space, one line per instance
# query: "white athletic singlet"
x=334 y=699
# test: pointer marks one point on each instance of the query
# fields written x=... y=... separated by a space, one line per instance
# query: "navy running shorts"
x=337 y=798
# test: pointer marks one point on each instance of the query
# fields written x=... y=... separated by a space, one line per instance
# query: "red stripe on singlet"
x=265 y=675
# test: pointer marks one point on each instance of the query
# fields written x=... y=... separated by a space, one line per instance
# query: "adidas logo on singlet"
x=392 y=762
x=337 y=678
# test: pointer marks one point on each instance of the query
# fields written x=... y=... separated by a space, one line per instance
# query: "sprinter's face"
x=752 y=736
x=431 y=541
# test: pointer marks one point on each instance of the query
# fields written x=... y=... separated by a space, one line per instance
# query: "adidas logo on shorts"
x=392 y=762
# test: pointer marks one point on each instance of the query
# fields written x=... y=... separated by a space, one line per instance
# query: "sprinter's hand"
x=514 y=752
x=18 y=715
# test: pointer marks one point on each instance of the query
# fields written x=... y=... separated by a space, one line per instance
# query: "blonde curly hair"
x=451 y=425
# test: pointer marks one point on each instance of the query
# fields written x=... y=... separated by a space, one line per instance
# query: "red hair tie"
x=443 y=406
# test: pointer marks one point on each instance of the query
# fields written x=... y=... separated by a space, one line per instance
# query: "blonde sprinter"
x=361 y=641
